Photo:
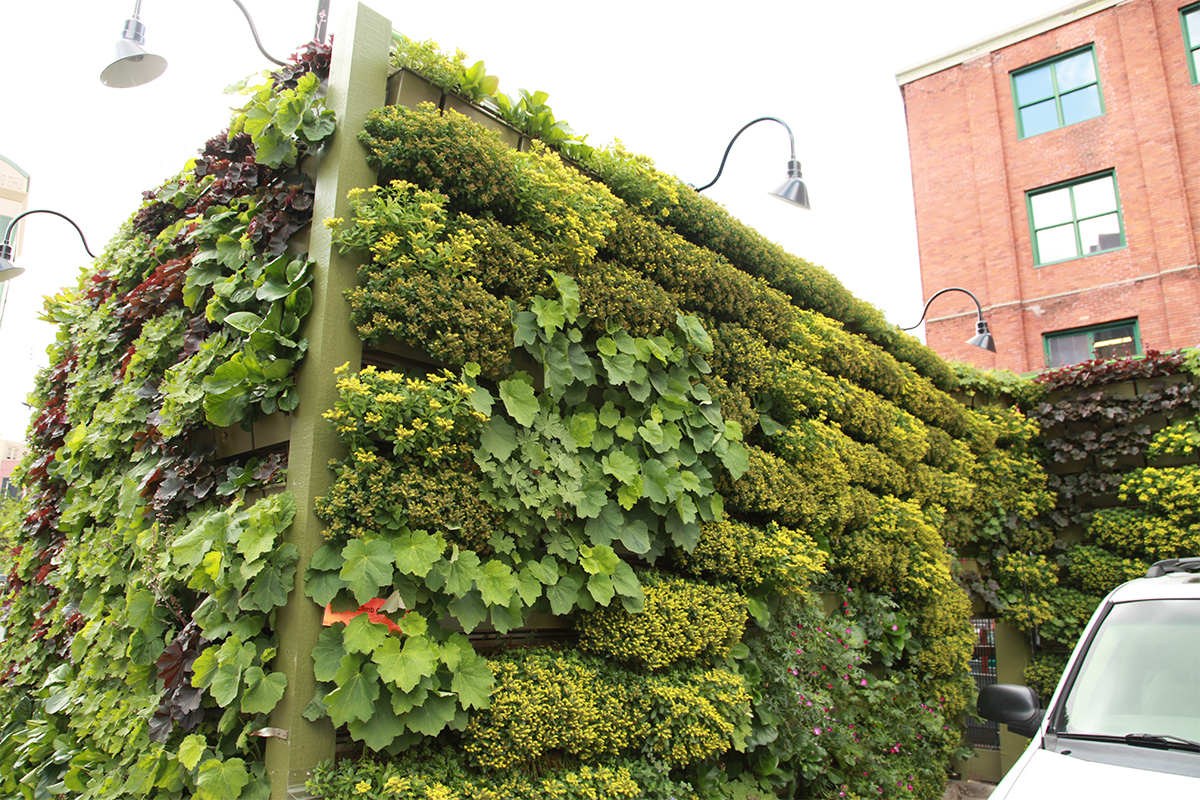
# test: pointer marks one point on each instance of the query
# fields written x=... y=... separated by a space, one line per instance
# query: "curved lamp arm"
x=257 y=41
x=134 y=66
x=936 y=295
x=982 y=337
x=791 y=143
x=9 y=270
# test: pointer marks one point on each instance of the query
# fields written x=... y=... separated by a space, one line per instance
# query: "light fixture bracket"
x=982 y=338
x=133 y=66
x=135 y=31
x=793 y=189
x=9 y=270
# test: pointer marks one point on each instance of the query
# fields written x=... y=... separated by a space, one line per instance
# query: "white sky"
x=670 y=79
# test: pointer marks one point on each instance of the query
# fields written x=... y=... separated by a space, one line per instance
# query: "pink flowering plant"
x=886 y=628
x=832 y=721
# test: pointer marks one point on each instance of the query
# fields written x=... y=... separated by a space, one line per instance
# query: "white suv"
x=1124 y=721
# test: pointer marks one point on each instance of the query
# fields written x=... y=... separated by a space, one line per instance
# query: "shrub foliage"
x=646 y=421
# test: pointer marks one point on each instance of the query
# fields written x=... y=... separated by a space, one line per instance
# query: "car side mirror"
x=1015 y=706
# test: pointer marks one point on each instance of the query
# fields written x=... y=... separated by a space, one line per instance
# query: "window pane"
x=1078 y=70
x=1193 y=28
x=1081 y=104
x=1034 y=85
x=1101 y=233
x=1056 y=244
x=1122 y=348
x=1120 y=688
x=1039 y=118
x=1119 y=349
x=1114 y=342
x=1068 y=350
x=1095 y=197
x=1051 y=208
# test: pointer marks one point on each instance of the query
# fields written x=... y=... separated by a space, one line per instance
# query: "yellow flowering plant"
x=426 y=417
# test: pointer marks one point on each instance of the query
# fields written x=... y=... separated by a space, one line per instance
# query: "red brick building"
x=1056 y=174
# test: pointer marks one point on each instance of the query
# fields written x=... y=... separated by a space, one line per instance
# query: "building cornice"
x=1004 y=38
x=1072 y=293
x=24 y=174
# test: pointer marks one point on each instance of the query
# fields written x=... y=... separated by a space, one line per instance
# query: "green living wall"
x=143 y=567
x=580 y=552
x=1119 y=443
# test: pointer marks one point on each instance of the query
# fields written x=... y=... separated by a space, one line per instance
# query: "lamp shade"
x=133 y=66
x=982 y=337
x=8 y=270
x=793 y=189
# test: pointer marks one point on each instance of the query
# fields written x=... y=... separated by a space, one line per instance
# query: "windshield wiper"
x=1164 y=741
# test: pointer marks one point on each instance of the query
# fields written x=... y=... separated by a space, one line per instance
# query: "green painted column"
x=357 y=84
x=1012 y=657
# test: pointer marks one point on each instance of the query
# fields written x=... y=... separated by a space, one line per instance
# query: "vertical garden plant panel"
x=667 y=452
x=144 y=565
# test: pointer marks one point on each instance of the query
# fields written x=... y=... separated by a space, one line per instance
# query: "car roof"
x=1173 y=586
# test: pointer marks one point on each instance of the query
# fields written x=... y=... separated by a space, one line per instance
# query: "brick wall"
x=971 y=174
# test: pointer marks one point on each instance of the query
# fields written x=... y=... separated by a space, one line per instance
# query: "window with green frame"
x=1190 y=19
x=1110 y=340
x=1056 y=93
x=1074 y=219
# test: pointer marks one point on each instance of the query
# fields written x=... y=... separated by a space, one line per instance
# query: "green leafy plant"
x=529 y=113
x=824 y=724
x=137 y=640
x=684 y=424
x=621 y=471
x=476 y=84
x=548 y=702
x=280 y=119
x=427 y=59
x=261 y=373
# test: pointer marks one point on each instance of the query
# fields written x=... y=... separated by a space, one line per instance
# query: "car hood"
x=1053 y=776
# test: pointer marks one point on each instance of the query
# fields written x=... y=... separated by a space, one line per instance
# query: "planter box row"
x=406 y=88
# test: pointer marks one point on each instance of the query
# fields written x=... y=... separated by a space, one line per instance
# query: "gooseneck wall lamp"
x=134 y=66
x=9 y=270
x=793 y=189
x=982 y=337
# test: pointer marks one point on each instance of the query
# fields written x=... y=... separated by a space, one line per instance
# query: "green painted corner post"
x=357 y=84
x=1013 y=655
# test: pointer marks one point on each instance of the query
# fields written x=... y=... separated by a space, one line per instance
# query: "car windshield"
x=1140 y=675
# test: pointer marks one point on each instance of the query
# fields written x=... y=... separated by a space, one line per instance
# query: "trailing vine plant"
x=139 y=595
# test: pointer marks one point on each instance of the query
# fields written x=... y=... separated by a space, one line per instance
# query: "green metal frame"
x=1033 y=229
x=1049 y=63
x=1188 y=26
x=357 y=84
x=1090 y=332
